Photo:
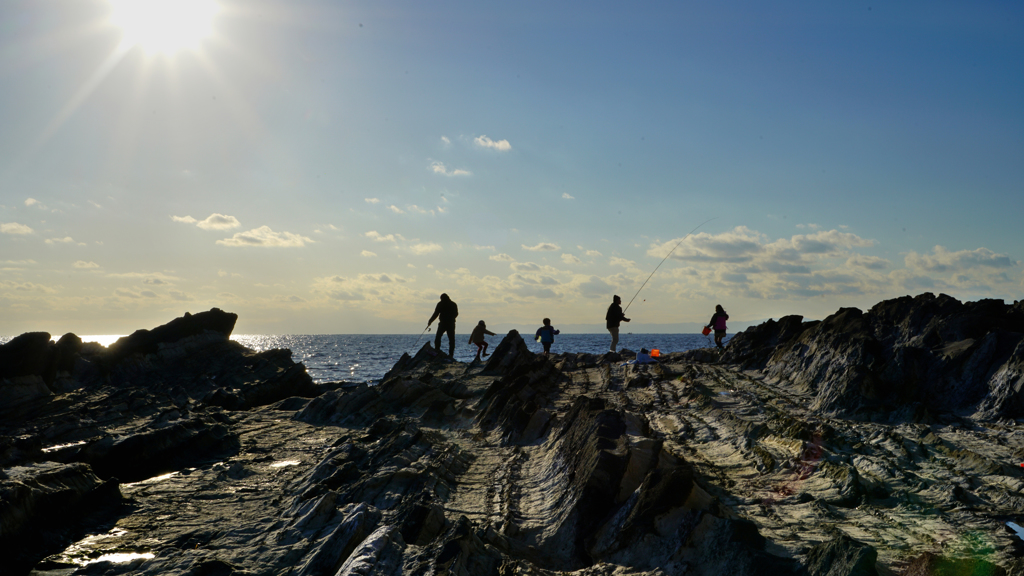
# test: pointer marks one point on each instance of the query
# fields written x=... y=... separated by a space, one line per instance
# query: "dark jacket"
x=447 y=310
x=546 y=333
x=614 y=316
x=718 y=321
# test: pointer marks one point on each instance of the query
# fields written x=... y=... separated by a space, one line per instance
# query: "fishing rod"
x=425 y=330
x=663 y=261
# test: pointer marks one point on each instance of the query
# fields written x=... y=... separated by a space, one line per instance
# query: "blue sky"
x=331 y=167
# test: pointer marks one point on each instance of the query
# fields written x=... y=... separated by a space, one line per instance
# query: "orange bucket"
x=655 y=353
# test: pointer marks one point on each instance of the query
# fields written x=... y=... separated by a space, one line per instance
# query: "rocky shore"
x=881 y=442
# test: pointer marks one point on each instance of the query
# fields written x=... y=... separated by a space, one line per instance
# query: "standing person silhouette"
x=717 y=323
x=612 y=319
x=446 y=311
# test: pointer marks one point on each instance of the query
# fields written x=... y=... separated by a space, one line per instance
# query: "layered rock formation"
x=180 y=452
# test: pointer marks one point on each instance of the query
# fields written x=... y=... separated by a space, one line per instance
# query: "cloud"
x=14 y=228
x=542 y=247
x=31 y=201
x=568 y=196
x=372 y=200
x=146 y=277
x=64 y=240
x=445 y=141
x=418 y=210
x=18 y=262
x=219 y=222
x=127 y=294
x=478 y=247
x=425 y=248
x=96 y=204
x=502 y=258
x=82 y=264
x=625 y=263
x=396 y=209
x=868 y=262
x=942 y=260
x=376 y=237
x=485 y=142
x=179 y=296
x=524 y=267
x=185 y=219
x=148 y=294
x=266 y=238
x=594 y=287
x=570 y=259
x=439 y=168
x=593 y=253
x=380 y=287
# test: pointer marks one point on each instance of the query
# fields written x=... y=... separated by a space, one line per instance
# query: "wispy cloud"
x=942 y=260
x=396 y=209
x=219 y=222
x=568 y=196
x=368 y=254
x=570 y=259
x=592 y=253
x=439 y=168
x=184 y=219
x=264 y=237
x=82 y=264
x=378 y=237
x=418 y=210
x=32 y=202
x=502 y=258
x=15 y=228
x=542 y=247
x=372 y=200
x=64 y=240
x=145 y=276
x=485 y=142
x=425 y=248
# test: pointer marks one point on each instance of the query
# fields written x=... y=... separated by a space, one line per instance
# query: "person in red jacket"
x=717 y=324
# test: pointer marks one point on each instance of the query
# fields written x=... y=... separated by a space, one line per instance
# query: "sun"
x=165 y=26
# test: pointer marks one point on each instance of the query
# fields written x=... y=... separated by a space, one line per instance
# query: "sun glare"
x=165 y=26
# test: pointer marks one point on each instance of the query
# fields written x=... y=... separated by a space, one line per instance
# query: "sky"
x=333 y=166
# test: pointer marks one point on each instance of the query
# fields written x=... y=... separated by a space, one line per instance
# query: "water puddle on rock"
x=153 y=480
x=63 y=446
x=90 y=550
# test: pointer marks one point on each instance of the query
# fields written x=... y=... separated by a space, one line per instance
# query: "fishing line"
x=663 y=261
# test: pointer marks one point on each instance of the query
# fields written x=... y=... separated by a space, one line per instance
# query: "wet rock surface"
x=188 y=454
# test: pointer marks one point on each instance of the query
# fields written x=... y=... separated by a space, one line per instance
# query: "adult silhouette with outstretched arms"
x=445 y=312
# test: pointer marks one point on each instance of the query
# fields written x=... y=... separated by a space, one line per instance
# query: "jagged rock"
x=546 y=465
x=214 y=321
x=842 y=556
x=36 y=496
x=931 y=350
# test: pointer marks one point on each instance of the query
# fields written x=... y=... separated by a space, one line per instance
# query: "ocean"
x=367 y=357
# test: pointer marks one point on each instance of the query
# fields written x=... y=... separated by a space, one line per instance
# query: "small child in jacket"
x=477 y=337
x=546 y=335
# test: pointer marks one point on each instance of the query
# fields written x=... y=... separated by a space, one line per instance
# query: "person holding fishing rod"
x=612 y=319
x=447 y=311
